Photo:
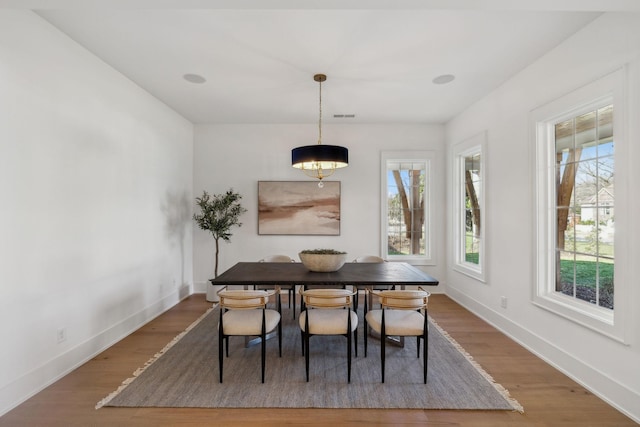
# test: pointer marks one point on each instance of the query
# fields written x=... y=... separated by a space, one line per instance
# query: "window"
x=468 y=191
x=406 y=231
x=578 y=139
x=585 y=173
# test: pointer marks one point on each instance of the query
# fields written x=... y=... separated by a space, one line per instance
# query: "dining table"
x=399 y=274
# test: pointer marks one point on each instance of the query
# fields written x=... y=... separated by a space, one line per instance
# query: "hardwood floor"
x=549 y=398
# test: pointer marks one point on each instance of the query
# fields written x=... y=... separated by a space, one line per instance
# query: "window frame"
x=427 y=158
x=471 y=146
x=609 y=89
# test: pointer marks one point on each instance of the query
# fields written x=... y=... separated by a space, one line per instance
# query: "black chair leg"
x=355 y=340
x=280 y=339
x=383 y=340
x=425 y=340
x=293 y=298
x=349 y=357
x=366 y=334
x=263 y=338
x=418 y=346
x=220 y=353
x=306 y=354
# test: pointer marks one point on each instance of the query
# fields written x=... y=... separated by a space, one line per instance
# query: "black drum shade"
x=328 y=156
x=319 y=161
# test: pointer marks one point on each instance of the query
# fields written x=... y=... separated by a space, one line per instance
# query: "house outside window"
x=577 y=140
x=585 y=174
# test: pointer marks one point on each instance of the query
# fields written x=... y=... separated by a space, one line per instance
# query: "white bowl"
x=323 y=263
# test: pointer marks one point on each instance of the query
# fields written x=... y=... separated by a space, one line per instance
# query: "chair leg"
x=220 y=353
x=383 y=340
x=425 y=340
x=306 y=354
x=306 y=342
x=366 y=339
x=293 y=298
x=349 y=356
x=263 y=355
x=418 y=346
x=355 y=340
x=280 y=339
x=366 y=325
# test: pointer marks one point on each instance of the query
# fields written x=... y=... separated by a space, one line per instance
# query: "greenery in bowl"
x=323 y=260
x=322 y=252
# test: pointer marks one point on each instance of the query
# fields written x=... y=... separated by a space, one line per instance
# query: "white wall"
x=239 y=156
x=608 y=368
x=95 y=205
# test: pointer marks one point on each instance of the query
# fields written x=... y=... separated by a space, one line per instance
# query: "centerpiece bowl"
x=323 y=260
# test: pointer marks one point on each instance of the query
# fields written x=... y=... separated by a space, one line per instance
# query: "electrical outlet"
x=503 y=302
x=62 y=335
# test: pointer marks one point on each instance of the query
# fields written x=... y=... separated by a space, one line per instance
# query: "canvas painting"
x=299 y=207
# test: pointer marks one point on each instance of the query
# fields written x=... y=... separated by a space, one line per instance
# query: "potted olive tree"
x=218 y=213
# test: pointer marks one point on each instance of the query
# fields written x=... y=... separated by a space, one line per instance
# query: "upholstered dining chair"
x=245 y=313
x=403 y=313
x=369 y=259
x=291 y=289
x=328 y=312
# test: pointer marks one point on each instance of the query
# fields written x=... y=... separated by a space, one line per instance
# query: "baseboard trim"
x=200 y=287
x=615 y=394
x=25 y=387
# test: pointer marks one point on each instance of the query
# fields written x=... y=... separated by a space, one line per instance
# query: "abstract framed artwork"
x=299 y=208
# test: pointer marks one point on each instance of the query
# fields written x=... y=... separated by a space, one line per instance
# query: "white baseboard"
x=615 y=394
x=18 y=391
x=200 y=287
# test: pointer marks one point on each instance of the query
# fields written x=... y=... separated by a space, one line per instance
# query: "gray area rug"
x=185 y=374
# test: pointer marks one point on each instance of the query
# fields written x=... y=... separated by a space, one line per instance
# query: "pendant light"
x=319 y=161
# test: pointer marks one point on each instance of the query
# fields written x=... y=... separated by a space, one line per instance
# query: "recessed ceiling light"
x=194 y=78
x=443 y=79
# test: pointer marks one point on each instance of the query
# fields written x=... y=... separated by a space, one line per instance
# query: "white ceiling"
x=259 y=63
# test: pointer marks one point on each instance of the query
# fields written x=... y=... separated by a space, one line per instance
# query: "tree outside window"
x=405 y=206
x=468 y=206
x=585 y=174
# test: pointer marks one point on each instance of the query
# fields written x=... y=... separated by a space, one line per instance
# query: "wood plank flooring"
x=549 y=397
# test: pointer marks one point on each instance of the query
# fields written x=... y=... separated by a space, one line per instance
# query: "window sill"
x=413 y=260
x=598 y=319
x=470 y=272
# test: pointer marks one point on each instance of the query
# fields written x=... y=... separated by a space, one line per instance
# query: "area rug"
x=185 y=374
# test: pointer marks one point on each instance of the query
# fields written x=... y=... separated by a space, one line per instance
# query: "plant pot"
x=212 y=292
x=323 y=263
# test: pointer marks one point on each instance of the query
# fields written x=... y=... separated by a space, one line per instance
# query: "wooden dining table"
x=352 y=273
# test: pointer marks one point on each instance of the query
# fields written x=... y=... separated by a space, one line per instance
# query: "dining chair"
x=245 y=313
x=368 y=259
x=291 y=289
x=328 y=312
x=403 y=313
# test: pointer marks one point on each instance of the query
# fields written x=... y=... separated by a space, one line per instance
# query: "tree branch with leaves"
x=218 y=213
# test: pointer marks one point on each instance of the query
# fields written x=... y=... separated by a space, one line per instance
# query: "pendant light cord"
x=320 y=117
